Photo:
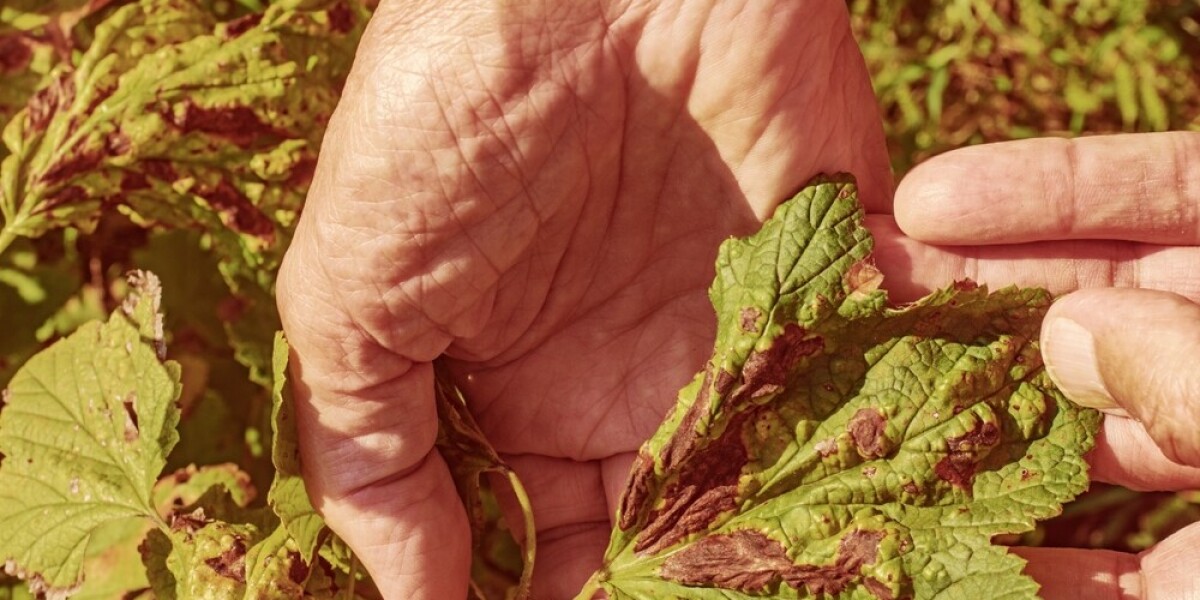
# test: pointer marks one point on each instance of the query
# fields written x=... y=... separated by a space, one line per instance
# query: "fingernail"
x=1070 y=353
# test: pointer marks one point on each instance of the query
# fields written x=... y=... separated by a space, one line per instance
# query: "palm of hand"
x=544 y=208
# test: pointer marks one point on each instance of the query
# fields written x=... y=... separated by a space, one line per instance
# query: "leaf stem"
x=353 y=576
x=7 y=237
x=530 y=533
x=591 y=588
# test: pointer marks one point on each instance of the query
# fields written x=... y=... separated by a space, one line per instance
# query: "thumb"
x=1134 y=352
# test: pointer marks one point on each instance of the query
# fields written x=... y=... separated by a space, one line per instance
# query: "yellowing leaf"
x=85 y=431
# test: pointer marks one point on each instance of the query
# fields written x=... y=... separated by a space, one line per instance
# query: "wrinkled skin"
x=537 y=190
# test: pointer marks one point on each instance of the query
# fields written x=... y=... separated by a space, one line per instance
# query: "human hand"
x=537 y=190
x=1108 y=213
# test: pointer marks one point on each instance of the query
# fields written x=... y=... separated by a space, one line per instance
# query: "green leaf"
x=288 y=497
x=32 y=290
x=275 y=568
x=113 y=568
x=835 y=446
x=85 y=431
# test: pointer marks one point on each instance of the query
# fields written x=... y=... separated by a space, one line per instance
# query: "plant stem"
x=591 y=588
x=353 y=576
x=7 y=237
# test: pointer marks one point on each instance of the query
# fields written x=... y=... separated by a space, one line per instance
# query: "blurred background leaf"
x=955 y=72
x=950 y=73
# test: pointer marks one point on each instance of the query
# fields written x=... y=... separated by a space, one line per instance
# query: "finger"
x=804 y=77
x=1126 y=455
x=567 y=557
x=1134 y=350
x=1070 y=574
x=1168 y=570
x=367 y=446
x=913 y=269
x=1139 y=187
x=377 y=282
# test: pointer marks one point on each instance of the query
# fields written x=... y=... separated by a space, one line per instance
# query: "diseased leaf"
x=35 y=36
x=833 y=446
x=470 y=457
x=214 y=547
x=185 y=487
x=183 y=120
x=112 y=568
x=499 y=561
x=85 y=430
x=198 y=558
x=275 y=569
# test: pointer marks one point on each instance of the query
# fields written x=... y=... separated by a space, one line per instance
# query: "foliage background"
x=950 y=73
x=947 y=73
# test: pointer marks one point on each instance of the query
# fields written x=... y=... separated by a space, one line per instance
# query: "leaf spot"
x=868 y=429
x=131 y=417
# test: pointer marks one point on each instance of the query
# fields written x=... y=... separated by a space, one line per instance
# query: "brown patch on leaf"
x=189 y=522
x=637 y=491
x=302 y=173
x=74 y=164
x=132 y=181
x=878 y=589
x=868 y=429
x=297 y=570
x=766 y=372
x=681 y=445
x=240 y=25
x=341 y=20
x=965 y=285
x=705 y=487
x=159 y=169
x=749 y=561
x=242 y=215
x=72 y=194
x=963 y=453
x=131 y=417
x=750 y=316
x=238 y=124
x=231 y=563
x=862 y=278
x=15 y=53
x=856 y=549
x=49 y=100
